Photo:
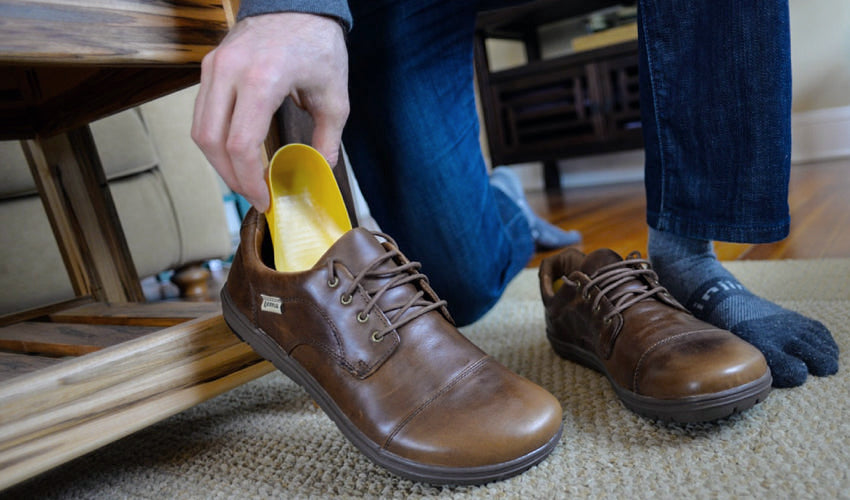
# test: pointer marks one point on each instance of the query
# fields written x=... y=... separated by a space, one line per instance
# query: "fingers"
x=244 y=81
x=223 y=129
x=250 y=121
x=327 y=134
x=210 y=121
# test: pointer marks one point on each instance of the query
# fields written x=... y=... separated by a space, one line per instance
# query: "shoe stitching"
x=254 y=313
x=465 y=373
x=652 y=348
x=338 y=354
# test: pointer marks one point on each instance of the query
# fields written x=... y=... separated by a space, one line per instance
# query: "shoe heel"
x=259 y=342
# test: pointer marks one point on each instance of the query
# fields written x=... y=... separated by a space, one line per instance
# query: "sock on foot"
x=546 y=236
x=793 y=344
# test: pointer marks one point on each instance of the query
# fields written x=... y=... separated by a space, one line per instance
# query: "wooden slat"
x=127 y=31
x=79 y=205
x=14 y=365
x=42 y=311
x=50 y=100
x=152 y=314
x=65 y=63
x=62 y=339
x=64 y=411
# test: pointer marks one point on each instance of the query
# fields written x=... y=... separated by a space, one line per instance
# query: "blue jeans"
x=413 y=140
x=715 y=92
x=715 y=82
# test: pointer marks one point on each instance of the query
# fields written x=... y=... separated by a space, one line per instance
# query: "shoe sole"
x=270 y=350
x=691 y=409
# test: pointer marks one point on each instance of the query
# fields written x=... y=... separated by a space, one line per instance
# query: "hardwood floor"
x=614 y=216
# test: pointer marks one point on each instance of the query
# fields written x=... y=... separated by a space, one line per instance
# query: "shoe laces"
x=610 y=278
x=392 y=277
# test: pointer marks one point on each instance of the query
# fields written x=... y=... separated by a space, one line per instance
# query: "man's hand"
x=245 y=80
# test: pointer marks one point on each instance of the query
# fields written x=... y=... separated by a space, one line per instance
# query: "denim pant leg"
x=716 y=109
x=413 y=140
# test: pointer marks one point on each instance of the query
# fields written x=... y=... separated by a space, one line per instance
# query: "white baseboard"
x=820 y=134
x=595 y=170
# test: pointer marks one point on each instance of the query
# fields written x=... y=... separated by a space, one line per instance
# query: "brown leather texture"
x=652 y=347
x=421 y=390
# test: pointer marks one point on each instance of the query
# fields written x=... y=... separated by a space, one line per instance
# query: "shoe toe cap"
x=493 y=417
x=697 y=364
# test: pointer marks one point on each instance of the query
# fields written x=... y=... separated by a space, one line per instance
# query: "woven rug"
x=267 y=439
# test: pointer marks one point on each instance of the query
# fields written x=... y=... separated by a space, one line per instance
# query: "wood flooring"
x=613 y=216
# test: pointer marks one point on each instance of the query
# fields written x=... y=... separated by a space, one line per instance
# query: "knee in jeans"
x=470 y=294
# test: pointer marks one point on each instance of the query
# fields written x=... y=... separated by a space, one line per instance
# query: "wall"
x=820 y=57
x=820 y=53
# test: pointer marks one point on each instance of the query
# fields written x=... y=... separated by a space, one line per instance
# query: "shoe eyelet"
x=596 y=309
x=345 y=299
x=607 y=320
x=377 y=337
x=334 y=282
x=362 y=318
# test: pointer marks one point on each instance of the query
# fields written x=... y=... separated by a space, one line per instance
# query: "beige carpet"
x=267 y=440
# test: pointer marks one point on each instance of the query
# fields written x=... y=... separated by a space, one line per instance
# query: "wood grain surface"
x=111 y=32
x=60 y=412
x=614 y=216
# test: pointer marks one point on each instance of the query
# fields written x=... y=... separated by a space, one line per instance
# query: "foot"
x=793 y=344
x=546 y=236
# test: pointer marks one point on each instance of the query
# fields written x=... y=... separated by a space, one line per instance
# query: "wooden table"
x=85 y=373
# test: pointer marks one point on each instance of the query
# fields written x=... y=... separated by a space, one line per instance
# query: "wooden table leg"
x=76 y=197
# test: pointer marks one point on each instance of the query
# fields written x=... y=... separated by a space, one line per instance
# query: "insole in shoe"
x=307 y=213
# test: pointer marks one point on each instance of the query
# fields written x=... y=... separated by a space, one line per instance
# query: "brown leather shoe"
x=370 y=341
x=612 y=315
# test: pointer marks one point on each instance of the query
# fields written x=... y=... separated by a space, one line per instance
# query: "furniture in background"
x=82 y=373
x=553 y=108
x=166 y=195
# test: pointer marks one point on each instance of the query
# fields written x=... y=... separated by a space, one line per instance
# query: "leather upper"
x=652 y=347
x=421 y=390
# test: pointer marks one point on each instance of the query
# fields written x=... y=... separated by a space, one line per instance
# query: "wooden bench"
x=78 y=375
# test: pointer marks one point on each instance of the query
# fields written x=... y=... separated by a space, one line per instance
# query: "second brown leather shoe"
x=366 y=336
x=612 y=315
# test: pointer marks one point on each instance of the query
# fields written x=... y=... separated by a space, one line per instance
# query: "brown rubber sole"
x=270 y=350
x=692 y=409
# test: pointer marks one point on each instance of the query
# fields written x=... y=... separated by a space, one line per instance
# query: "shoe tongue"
x=599 y=258
x=356 y=249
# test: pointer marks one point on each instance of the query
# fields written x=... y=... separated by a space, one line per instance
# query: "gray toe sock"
x=793 y=344
x=545 y=235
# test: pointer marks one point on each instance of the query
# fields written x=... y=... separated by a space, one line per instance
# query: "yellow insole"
x=307 y=213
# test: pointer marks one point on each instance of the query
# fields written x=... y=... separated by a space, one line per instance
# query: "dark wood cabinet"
x=549 y=109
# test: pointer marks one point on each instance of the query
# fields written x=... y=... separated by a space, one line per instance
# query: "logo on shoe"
x=271 y=304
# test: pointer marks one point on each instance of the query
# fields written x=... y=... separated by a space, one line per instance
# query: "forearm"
x=337 y=9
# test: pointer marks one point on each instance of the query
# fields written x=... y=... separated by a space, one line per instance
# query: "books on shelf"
x=606 y=37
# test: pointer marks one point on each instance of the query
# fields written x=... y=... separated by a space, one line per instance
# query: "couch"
x=168 y=199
